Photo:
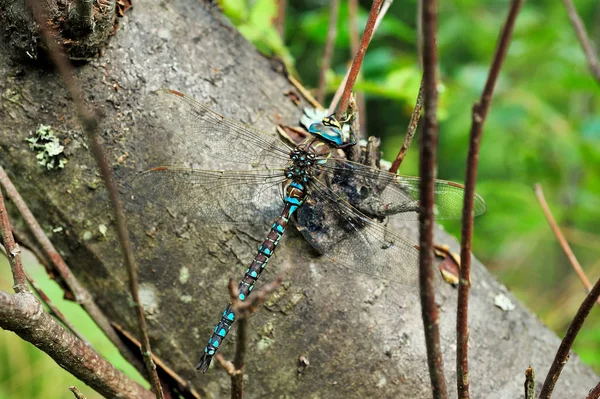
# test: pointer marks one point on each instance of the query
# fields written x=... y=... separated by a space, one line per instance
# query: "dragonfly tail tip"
x=204 y=363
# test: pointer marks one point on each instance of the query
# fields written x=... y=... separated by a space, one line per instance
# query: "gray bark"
x=362 y=336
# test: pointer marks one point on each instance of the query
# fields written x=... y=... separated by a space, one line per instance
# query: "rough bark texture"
x=362 y=336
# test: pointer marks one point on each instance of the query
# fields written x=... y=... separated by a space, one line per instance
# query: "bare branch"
x=280 y=20
x=13 y=252
x=329 y=46
x=53 y=309
x=82 y=296
x=354 y=44
x=427 y=171
x=358 y=58
x=344 y=84
x=76 y=392
x=539 y=193
x=22 y=313
x=410 y=131
x=585 y=41
x=479 y=114
x=594 y=392
x=563 y=353
x=90 y=127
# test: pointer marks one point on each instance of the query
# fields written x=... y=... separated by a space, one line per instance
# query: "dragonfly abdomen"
x=295 y=196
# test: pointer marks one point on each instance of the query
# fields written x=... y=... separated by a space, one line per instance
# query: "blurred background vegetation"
x=544 y=126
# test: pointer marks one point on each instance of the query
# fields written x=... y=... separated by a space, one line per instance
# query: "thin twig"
x=354 y=44
x=529 y=383
x=585 y=41
x=594 y=392
x=280 y=20
x=562 y=355
x=479 y=114
x=328 y=51
x=237 y=379
x=90 y=127
x=420 y=33
x=76 y=392
x=305 y=93
x=358 y=58
x=410 y=131
x=23 y=314
x=53 y=309
x=344 y=84
x=539 y=193
x=13 y=252
x=427 y=170
x=82 y=296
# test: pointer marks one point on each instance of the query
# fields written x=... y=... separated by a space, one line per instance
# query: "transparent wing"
x=233 y=197
x=361 y=244
x=188 y=123
x=379 y=193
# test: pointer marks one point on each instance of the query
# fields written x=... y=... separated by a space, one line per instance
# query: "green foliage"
x=254 y=20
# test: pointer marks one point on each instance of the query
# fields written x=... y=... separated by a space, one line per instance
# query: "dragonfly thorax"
x=302 y=165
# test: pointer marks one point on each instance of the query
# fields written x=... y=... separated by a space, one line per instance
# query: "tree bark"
x=362 y=336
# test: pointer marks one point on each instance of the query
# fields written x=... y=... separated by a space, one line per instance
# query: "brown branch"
x=344 y=84
x=585 y=41
x=539 y=193
x=76 y=392
x=328 y=51
x=358 y=58
x=419 y=27
x=280 y=19
x=410 y=131
x=82 y=296
x=427 y=171
x=594 y=392
x=354 y=44
x=90 y=127
x=13 y=252
x=529 y=383
x=479 y=114
x=563 y=353
x=23 y=314
x=53 y=309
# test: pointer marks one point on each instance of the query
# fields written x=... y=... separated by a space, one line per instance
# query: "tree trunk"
x=362 y=336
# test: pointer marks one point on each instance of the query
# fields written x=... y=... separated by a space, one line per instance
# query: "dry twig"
x=585 y=41
x=82 y=296
x=410 y=131
x=479 y=114
x=539 y=193
x=90 y=127
x=358 y=58
x=329 y=46
x=343 y=87
x=427 y=172
x=563 y=353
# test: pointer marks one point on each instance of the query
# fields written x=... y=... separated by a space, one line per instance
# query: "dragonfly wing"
x=190 y=124
x=232 y=197
x=379 y=193
x=358 y=243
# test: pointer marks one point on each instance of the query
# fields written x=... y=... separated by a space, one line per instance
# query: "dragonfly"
x=278 y=182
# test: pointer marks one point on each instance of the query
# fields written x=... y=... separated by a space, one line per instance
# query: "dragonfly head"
x=328 y=129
